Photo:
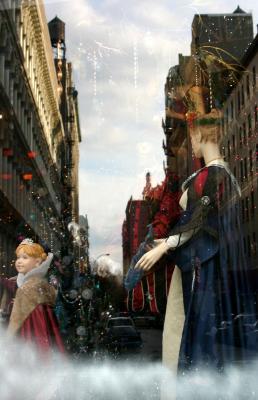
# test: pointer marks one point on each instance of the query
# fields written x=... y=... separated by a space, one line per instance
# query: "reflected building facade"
x=235 y=94
x=84 y=255
x=226 y=36
x=233 y=33
x=240 y=145
x=70 y=117
x=134 y=229
x=33 y=134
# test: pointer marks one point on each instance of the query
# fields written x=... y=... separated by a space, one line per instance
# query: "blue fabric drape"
x=220 y=307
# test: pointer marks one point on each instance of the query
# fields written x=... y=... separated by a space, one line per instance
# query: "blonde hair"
x=209 y=126
x=32 y=250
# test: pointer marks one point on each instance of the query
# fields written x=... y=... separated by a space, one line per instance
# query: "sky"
x=121 y=52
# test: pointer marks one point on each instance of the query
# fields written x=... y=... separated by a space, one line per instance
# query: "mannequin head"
x=29 y=256
x=204 y=129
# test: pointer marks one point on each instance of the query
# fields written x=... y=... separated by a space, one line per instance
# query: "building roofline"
x=223 y=14
x=250 y=52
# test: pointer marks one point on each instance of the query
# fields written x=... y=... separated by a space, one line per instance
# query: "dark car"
x=121 y=338
x=119 y=321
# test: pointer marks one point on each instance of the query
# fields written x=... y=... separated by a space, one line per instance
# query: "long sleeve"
x=175 y=241
x=204 y=196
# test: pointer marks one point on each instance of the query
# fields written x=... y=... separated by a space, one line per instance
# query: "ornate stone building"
x=70 y=116
x=32 y=132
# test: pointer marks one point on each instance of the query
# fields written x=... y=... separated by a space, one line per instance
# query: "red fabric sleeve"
x=167 y=215
x=8 y=284
x=200 y=182
x=41 y=329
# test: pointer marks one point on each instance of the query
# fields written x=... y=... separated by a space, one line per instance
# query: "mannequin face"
x=25 y=263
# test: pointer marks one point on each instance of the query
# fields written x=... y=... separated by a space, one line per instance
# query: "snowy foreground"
x=25 y=377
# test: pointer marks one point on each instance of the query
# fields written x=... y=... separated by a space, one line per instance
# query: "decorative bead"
x=205 y=200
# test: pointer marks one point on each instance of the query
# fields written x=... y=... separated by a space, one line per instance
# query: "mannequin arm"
x=150 y=258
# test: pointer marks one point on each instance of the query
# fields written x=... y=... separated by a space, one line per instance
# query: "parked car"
x=119 y=321
x=149 y=321
x=120 y=314
x=121 y=338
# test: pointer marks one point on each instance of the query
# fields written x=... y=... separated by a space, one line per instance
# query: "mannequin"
x=211 y=268
x=210 y=151
x=32 y=317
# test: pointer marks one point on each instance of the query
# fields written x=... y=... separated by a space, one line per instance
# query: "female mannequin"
x=217 y=303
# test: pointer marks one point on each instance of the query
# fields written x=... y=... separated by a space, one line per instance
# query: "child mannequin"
x=32 y=316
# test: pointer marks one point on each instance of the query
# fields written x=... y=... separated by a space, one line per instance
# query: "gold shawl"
x=32 y=293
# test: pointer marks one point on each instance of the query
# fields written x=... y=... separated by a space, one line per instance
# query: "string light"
x=136 y=70
x=94 y=73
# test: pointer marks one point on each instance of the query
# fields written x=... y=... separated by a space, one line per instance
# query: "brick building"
x=240 y=145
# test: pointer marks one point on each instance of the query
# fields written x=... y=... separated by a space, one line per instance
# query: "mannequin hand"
x=151 y=257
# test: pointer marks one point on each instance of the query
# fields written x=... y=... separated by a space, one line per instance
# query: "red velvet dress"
x=41 y=329
x=38 y=326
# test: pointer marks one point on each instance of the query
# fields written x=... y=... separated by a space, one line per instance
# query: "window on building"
x=247 y=87
x=251 y=161
x=242 y=96
x=245 y=168
x=238 y=102
x=254 y=247
x=228 y=253
x=249 y=122
x=228 y=149
x=241 y=170
x=234 y=142
x=252 y=203
x=248 y=246
x=236 y=215
x=243 y=210
x=247 y=208
x=226 y=118
x=240 y=135
x=244 y=133
x=254 y=77
x=231 y=213
x=245 y=245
